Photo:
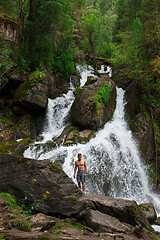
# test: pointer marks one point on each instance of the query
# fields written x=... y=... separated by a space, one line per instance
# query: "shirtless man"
x=82 y=171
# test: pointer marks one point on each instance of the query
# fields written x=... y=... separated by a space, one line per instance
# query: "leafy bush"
x=6 y=62
x=102 y=94
x=64 y=64
x=36 y=77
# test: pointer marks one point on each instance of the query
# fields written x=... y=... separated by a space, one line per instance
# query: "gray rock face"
x=91 y=113
x=98 y=220
x=149 y=211
x=17 y=77
x=125 y=210
x=142 y=130
x=35 y=99
x=157 y=221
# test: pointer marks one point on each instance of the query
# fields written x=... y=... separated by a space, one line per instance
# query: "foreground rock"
x=125 y=211
x=91 y=109
x=149 y=211
x=56 y=195
x=21 y=175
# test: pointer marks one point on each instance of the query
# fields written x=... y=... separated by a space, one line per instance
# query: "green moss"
x=7 y=146
x=101 y=97
x=54 y=167
x=73 y=197
x=77 y=91
x=14 y=147
x=10 y=199
x=145 y=208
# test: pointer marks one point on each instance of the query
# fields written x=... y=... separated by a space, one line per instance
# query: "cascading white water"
x=114 y=164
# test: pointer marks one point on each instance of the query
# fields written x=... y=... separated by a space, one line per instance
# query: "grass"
x=10 y=199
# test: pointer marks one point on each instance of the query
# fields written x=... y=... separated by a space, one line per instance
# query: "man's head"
x=79 y=156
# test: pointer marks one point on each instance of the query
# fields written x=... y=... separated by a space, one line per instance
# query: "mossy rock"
x=77 y=91
x=91 y=80
x=55 y=168
x=22 y=91
x=14 y=147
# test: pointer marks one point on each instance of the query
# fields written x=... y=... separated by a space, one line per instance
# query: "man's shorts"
x=80 y=176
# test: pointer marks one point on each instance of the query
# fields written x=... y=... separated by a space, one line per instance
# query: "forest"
x=54 y=35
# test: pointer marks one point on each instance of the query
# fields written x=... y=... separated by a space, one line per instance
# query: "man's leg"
x=79 y=185
x=83 y=187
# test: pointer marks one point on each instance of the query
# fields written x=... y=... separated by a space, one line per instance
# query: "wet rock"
x=157 y=221
x=149 y=211
x=75 y=136
x=90 y=110
x=98 y=220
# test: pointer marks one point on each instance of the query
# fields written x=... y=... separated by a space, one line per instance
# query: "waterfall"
x=114 y=164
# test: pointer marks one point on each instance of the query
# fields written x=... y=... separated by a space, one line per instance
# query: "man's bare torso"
x=80 y=164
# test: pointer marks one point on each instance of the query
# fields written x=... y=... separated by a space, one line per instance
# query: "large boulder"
x=33 y=99
x=98 y=220
x=41 y=181
x=94 y=103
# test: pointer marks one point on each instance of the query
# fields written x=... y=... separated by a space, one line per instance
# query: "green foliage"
x=22 y=225
x=96 y=35
x=36 y=77
x=64 y=64
x=6 y=62
x=102 y=94
x=9 y=7
x=100 y=97
x=10 y=199
x=36 y=203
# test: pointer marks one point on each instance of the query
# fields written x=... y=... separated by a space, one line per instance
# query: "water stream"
x=114 y=164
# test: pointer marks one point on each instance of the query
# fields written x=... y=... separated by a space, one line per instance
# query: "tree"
x=94 y=32
x=134 y=49
x=9 y=7
x=6 y=62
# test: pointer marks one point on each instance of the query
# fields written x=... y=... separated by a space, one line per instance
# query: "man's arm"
x=75 y=169
x=85 y=166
